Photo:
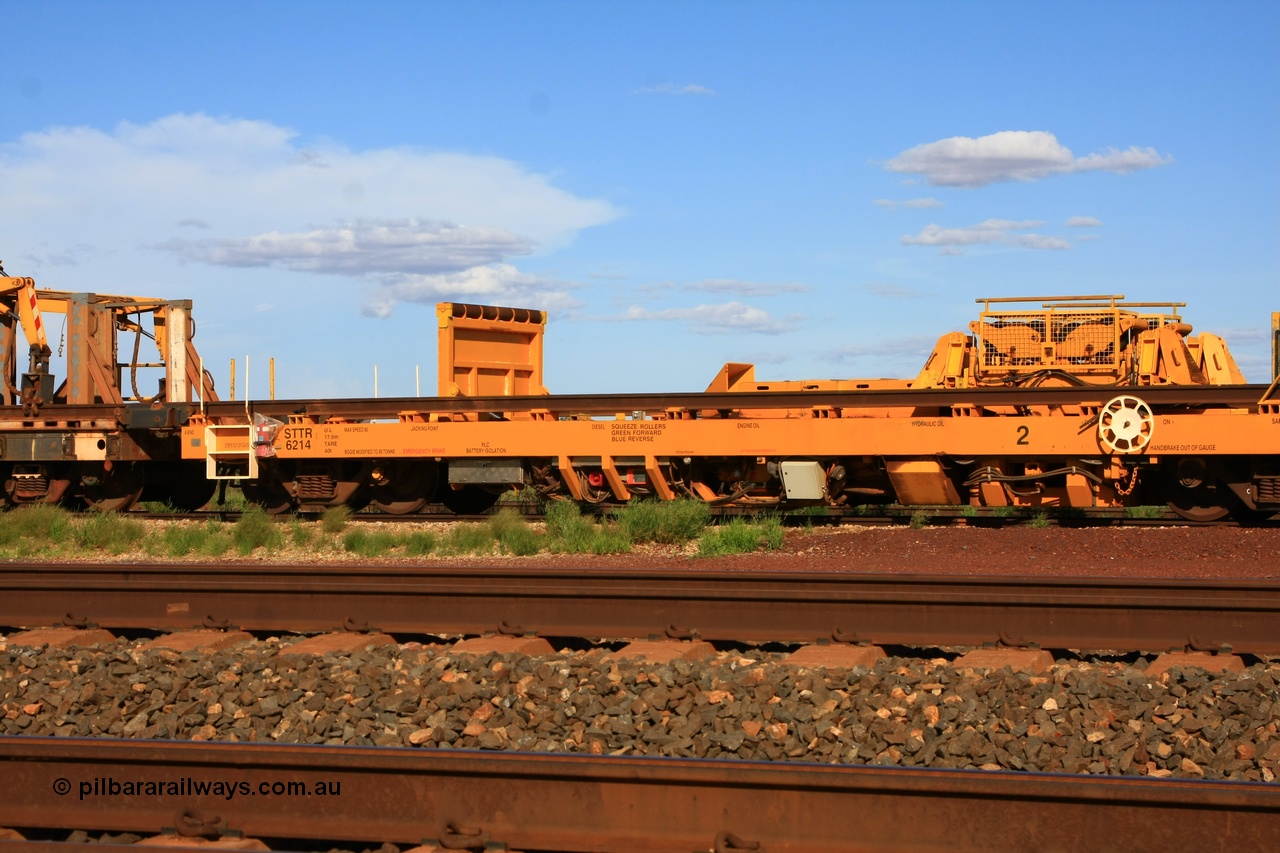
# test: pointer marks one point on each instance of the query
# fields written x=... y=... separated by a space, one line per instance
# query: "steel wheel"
x=406 y=488
x=1191 y=492
x=115 y=490
x=1201 y=511
x=268 y=494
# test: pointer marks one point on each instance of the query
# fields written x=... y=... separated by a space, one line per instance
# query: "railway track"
x=534 y=802
x=790 y=607
x=469 y=799
x=859 y=517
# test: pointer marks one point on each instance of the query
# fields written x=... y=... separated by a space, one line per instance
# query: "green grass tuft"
x=665 y=522
x=300 y=533
x=108 y=531
x=420 y=544
x=364 y=543
x=469 y=539
x=335 y=519
x=513 y=534
x=255 y=530
x=35 y=525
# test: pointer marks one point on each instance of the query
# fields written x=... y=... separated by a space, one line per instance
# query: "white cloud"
x=361 y=248
x=909 y=204
x=1083 y=222
x=491 y=284
x=1013 y=155
x=726 y=318
x=893 y=349
x=737 y=287
x=675 y=89
x=990 y=231
x=261 y=198
x=1241 y=334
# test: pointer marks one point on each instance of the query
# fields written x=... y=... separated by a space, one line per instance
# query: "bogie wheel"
x=114 y=490
x=469 y=500
x=1192 y=494
x=407 y=487
x=269 y=495
x=181 y=485
x=1201 y=505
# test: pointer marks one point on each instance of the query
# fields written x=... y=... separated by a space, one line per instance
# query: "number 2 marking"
x=1023 y=432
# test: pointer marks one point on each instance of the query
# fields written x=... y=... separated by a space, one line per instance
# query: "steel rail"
x=1165 y=397
x=529 y=801
x=1232 y=396
x=1057 y=613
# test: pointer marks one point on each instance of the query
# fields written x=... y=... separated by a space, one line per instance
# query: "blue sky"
x=820 y=188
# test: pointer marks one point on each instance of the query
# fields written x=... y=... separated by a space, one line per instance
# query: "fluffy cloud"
x=737 y=287
x=491 y=284
x=909 y=204
x=1083 y=222
x=236 y=193
x=723 y=319
x=893 y=349
x=991 y=231
x=361 y=248
x=1013 y=155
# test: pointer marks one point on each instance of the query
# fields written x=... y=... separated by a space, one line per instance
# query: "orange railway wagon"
x=1055 y=402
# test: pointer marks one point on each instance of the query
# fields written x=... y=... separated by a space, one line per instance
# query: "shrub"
x=665 y=522
x=513 y=533
x=1144 y=512
x=608 y=539
x=255 y=530
x=521 y=541
x=771 y=532
x=335 y=519
x=567 y=531
x=179 y=540
x=363 y=543
x=469 y=539
x=735 y=537
x=1039 y=519
x=299 y=533
x=39 y=524
x=419 y=544
x=108 y=531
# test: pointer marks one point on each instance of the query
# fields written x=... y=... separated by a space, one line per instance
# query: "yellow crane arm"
x=27 y=308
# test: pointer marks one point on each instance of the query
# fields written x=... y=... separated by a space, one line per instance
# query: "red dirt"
x=1130 y=552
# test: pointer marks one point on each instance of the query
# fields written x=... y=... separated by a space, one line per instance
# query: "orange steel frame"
x=1211 y=432
x=908 y=451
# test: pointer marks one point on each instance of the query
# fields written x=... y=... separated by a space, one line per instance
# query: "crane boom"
x=18 y=296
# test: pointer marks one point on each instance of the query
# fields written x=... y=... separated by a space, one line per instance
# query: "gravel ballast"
x=1097 y=717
